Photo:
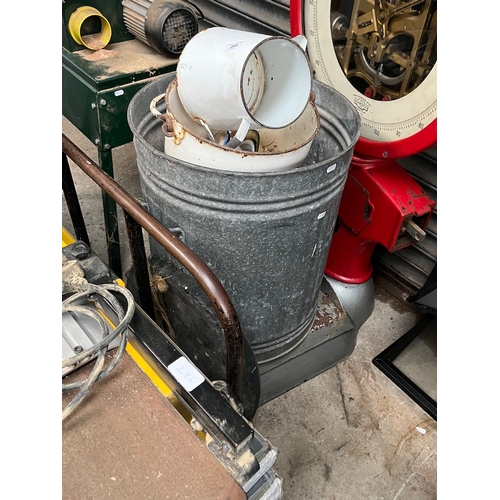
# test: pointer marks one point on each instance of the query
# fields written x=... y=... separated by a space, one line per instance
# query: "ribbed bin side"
x=265 y=235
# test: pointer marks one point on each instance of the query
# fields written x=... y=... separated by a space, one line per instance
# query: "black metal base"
x=384 y=361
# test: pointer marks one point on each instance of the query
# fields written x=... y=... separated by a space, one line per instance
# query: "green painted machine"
x=97 y=85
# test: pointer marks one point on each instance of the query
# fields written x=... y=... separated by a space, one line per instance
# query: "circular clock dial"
x=382 y=56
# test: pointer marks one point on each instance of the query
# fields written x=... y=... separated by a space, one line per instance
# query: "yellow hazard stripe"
x=67 y=239
x=160 y=384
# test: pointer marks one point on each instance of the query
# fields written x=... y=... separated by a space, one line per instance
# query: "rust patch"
x=179 y=134
x=167 y=128
x=327 y=313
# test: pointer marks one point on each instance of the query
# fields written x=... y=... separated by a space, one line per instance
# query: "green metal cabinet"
x=97 y=88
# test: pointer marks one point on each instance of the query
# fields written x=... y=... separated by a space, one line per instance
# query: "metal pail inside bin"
x=266 y=235
x=277 y=149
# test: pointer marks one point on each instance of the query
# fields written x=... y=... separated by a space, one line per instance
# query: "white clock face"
x=382 y=56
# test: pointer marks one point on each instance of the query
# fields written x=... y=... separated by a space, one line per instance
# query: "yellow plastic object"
x=94 y=41
x=67 y=239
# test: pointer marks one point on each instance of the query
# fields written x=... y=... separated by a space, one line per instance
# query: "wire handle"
x=153 y=107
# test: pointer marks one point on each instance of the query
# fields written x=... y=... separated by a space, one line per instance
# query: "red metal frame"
x=378 y=200
x=410 y=146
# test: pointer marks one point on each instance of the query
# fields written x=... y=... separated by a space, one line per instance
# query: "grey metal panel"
x=263 y=16
x=81 y=332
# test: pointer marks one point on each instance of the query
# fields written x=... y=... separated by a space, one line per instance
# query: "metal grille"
x=178 y=29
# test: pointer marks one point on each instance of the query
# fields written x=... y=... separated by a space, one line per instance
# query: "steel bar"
x=197 y=267
x=140 y=264
x=71 y=197
x=110 y=215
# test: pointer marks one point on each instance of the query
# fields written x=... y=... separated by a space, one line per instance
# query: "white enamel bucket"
x=277 y=149
x=227 y=76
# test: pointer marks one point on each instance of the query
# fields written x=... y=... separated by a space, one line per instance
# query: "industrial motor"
x=166 y=26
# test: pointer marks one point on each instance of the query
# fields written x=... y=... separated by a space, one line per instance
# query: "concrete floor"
x=349 y=433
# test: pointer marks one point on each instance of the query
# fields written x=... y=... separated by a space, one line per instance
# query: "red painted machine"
x=381 y=204
x=382 y=57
